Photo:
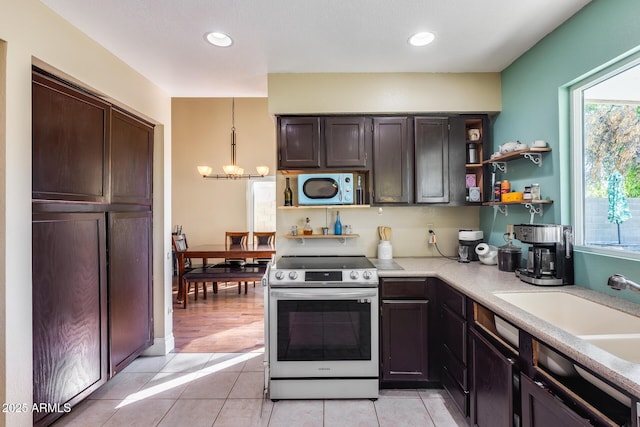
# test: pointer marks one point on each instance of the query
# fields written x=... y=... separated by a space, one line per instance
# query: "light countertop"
x=479 y=282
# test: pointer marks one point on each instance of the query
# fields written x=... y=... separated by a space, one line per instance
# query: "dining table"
x=213 y=251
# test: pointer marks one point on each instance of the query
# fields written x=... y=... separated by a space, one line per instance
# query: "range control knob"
x=366 y=275
x=279 y=275
x=354 y=275
x=293 y=275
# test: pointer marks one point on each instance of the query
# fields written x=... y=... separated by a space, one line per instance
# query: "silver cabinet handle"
x=311 y=295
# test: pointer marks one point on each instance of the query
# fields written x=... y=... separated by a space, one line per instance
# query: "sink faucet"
x=619 y=282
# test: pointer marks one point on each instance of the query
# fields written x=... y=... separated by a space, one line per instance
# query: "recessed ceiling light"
x=219 y=39
x=421 y=39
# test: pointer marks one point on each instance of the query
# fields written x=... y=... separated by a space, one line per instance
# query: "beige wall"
x=383 y=93
x=33 y=33
x=202 y=136
x=408 y=226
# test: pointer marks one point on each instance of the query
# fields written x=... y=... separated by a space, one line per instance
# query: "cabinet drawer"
x=541 y=408
x=455 y=367
x=453 y=299
x=454 y=334
x=459 y=396
x=404 y=288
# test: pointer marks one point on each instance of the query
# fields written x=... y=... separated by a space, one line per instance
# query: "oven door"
x=322 y=333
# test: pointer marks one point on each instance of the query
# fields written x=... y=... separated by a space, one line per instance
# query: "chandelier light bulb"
x=204 y=170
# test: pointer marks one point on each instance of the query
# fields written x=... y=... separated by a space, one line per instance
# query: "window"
x=262 y=205
x=606 y=161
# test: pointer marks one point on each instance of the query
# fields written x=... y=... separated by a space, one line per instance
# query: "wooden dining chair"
x=179 y=243
x=237 y=238
x=234 y=238
x=264 y=238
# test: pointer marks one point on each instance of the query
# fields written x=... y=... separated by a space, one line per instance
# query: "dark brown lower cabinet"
x=404 y=342
x=69 y=308
x=492 y=377
x=541 y=409
x=130 y=293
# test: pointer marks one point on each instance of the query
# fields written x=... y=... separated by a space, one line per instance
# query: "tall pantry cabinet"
x=91 y=236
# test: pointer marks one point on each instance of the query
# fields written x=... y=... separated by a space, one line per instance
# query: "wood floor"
x=223 y=323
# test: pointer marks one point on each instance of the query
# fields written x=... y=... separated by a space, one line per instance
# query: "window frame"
x=576 y=91
x=250 y=200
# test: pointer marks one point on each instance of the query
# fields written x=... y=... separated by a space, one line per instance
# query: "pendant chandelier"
x=232 y=170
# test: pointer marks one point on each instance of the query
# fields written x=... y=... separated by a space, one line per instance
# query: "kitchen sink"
x=545 y=356
x=625 y=346
x=612 y=330
x=572 y=313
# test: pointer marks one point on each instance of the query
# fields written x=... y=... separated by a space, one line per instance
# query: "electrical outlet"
x=431 y=238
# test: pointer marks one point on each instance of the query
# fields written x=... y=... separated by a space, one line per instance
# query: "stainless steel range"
x=322 y=333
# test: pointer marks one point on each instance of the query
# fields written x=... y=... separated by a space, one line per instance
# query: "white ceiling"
x=164 y=39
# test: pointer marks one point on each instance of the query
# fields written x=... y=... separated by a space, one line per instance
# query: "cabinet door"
x=345 y=140
x=491 y=385
x=69 y=308
x=431 y=141
x=298 y=142
x=131 y=159
x=405 y=346
x=70 y=138
x=457 y=161
x=392 y=160
x=542 y=409
x=130 y=291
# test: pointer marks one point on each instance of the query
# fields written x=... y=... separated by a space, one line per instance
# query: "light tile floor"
x=225 y=389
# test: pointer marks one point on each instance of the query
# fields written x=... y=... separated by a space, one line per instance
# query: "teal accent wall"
x=535 y=106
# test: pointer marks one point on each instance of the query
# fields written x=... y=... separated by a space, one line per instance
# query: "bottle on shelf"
x=359 y=192
x=505 y=187
x=307 y=230
x=337 y=227
x=288 y=194
x=535 y=192
x=497 y=191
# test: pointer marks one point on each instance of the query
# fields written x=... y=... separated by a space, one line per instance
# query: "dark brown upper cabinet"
x=131 y=159
x=345 y=142
x=431 y=139
x=332 y=142
x=70 y=143
x=298 y=142
x=392 y=160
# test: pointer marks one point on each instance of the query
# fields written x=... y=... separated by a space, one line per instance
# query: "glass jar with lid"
x=535 y=192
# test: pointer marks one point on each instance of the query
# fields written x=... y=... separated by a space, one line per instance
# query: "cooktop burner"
x=320 y=262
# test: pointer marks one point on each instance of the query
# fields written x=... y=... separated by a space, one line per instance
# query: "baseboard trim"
x=161 y=346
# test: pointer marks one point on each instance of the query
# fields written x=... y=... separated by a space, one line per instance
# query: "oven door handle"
x=311 y=295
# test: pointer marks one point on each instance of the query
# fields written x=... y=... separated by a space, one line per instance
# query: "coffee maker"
x=550 y=256
x=467 y=242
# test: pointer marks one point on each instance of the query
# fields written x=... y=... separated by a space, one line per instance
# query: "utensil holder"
x=385 y=250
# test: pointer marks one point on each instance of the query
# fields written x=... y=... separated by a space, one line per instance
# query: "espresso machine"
x=550 y=256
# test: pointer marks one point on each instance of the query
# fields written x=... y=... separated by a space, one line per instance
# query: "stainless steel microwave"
x=325 y=189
